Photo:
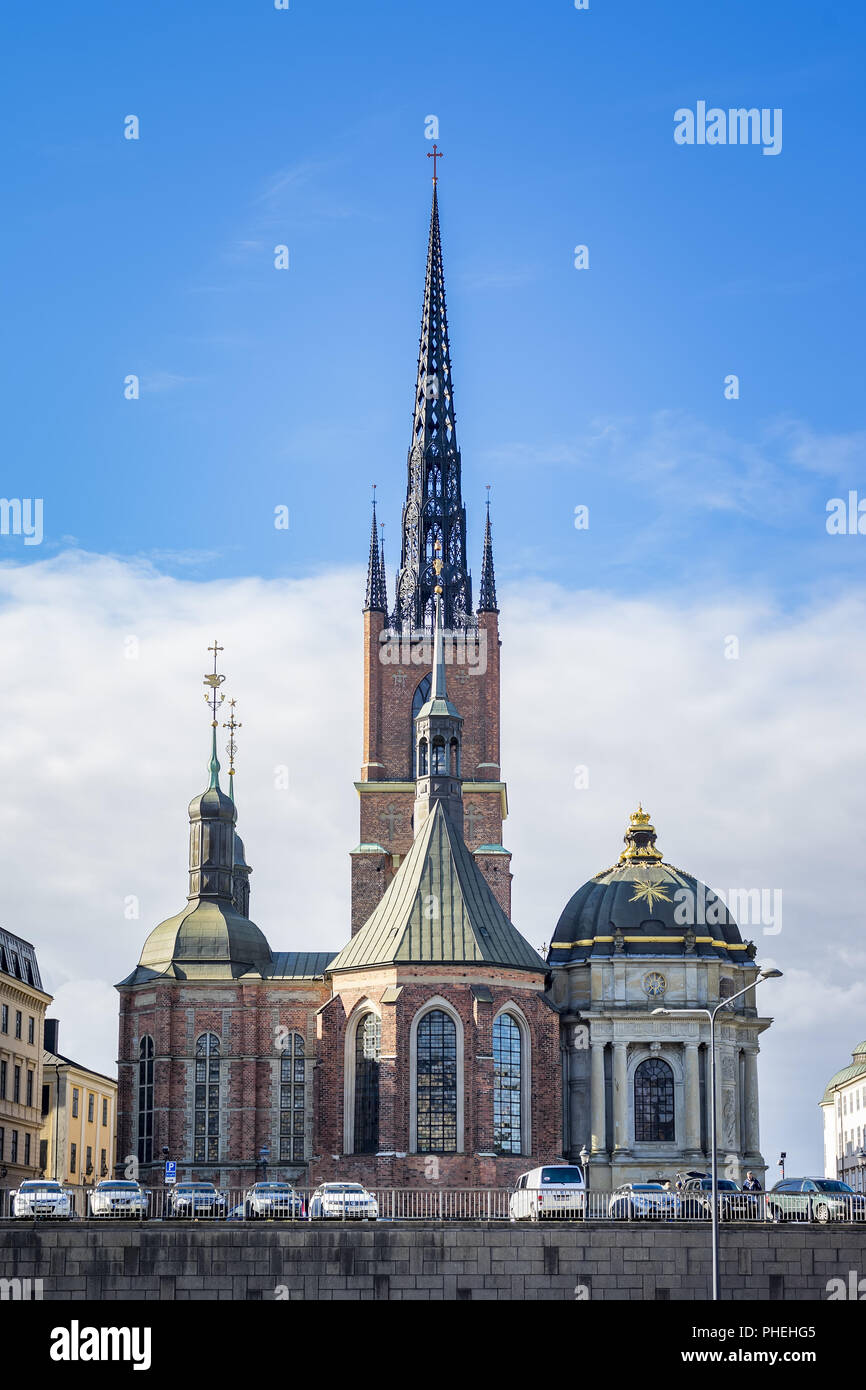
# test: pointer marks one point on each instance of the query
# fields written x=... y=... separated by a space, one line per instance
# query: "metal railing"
x=442 y=1205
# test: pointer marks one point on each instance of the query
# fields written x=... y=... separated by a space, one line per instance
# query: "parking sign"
x=170 y=1171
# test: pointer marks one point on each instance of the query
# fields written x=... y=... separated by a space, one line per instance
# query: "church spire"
x=376 y=597
x=434 y=509
x=240 y=868
x=438 y=731
x=487 y=594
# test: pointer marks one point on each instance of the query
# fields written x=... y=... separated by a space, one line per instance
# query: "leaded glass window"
x=145 y=1100
x=507 y=1086
x=654 y=1102
x=436 y=1049
x=206 y=1140
x=368 y=1046
x=293 y=1097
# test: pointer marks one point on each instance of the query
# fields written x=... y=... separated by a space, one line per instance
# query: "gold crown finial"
x=640 y=838
x=215 y=697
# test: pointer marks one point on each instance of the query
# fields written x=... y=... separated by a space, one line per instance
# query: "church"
x=436 y=1047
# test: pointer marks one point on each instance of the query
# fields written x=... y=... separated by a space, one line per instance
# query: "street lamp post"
x=714 y=1188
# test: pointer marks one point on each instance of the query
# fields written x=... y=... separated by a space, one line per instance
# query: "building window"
x=4 y=1018
x=75 y=1102
x=103 y=1163
x=2 y=1143
x=654 y=1102
x=73 y=1157
x=43 y=1156
x=419 y=699
x=207 y=1099
x=31 y=1030
x=293 y=1095
x=507 y=1086
x=16 y=1085
x=145 y=1100
x=27 y=1151
x=88 y=1163
x=368 y=1046
x=3 y=1071
x=30 y=1088
x=90 y=1103
x=18 y=1023
x=436 y=1050
x=13 y=1156
x=422 y=757
x=437 y=756
x=105 y=1110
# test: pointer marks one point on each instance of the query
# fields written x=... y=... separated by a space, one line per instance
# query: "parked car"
x=815 y=1199
x=694 y=1200
x=116 y=1197
x=268 y=1200
x=196 y=1199
x=343 y=1201
x=636 y=1201
x=41 y=1197
x=556 y=1190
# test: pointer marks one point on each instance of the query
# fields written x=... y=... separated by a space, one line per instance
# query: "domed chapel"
x=435 y=1047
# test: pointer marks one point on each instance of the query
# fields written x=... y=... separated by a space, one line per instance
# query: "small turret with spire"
x=487 y=592
x=240 y=868
x=376 y=598
x=438 y=734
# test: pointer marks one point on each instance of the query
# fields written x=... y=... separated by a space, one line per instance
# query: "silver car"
x=635 y=1201
x=343 y=1201
x=40 y=1197
x=118 y=1197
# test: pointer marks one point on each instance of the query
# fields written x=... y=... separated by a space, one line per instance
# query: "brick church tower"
x=398 y=647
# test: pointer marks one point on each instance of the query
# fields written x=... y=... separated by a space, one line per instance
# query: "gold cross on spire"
x=215 y=697
x=231 y=746
x=437 y=565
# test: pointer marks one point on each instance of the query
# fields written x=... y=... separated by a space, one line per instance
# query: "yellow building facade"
x=23 y=1002
x=79 y=1118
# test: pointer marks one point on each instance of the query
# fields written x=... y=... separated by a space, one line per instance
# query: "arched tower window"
x=455 y=758
x=507 y=1086
x=654 y=1102
x=436 y=1047
x=293 y=1097
x=437 y=756
x=368 y=1046
x=419 y=700
x=145 y=1100
x=422 y=757
x=206 y=1132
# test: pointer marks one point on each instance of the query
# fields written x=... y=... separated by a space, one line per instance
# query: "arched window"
x=206 y=1133
x=437 y=756
x=455 y=758
x=654 y=1102
x=422 y=757
x=145 y=1100
x=436 y=1088
x=368 y=1046
x=419 y=700
x=507 y=1086
x=293 y=1095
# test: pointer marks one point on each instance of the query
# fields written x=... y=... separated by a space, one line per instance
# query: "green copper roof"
x=850 y=1073
x=438 y=908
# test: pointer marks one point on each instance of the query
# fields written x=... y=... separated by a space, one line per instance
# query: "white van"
x=557 y=1190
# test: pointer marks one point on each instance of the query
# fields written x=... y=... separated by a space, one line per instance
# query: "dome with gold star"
x=643 y=906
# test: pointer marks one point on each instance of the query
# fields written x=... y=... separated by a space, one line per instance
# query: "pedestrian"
x=751 y=1184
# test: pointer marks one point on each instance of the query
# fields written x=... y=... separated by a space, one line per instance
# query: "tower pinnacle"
x=487 y=592
x=376 y=598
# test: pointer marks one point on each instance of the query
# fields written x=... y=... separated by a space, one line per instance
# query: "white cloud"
x=752 y=769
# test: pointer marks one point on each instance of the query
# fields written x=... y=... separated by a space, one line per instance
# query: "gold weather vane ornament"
x=231 y=746
x=437 y=566
x=215 y=697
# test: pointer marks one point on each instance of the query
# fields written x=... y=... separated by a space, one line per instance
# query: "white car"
x=267 y=1200
x=41 y=1197
x=118 y=1197
x=556 y=1190
x=343 y=1201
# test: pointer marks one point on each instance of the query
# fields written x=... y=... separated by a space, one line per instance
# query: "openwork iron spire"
x=434 y=508
x=376 y=597
x=487 y=593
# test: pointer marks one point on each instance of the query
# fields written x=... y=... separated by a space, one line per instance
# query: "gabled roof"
x=438 y=908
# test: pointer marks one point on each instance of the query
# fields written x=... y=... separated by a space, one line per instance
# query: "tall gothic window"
x=207 y=1099
x=437 y=756
x=437 y=1083
x=419 y=699
x=654 y=1102
x=368 y=1046
x=507 y=1086
x=293 y=1095
x=145 y=1100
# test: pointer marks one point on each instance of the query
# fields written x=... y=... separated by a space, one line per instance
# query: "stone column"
x=599 y=1138
x=751 y=1139
x=620 y=1097
x=692 y=1100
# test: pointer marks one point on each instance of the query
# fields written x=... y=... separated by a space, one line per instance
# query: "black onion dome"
x=646 y=907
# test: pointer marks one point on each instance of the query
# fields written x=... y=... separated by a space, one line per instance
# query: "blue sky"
x=603 y=387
